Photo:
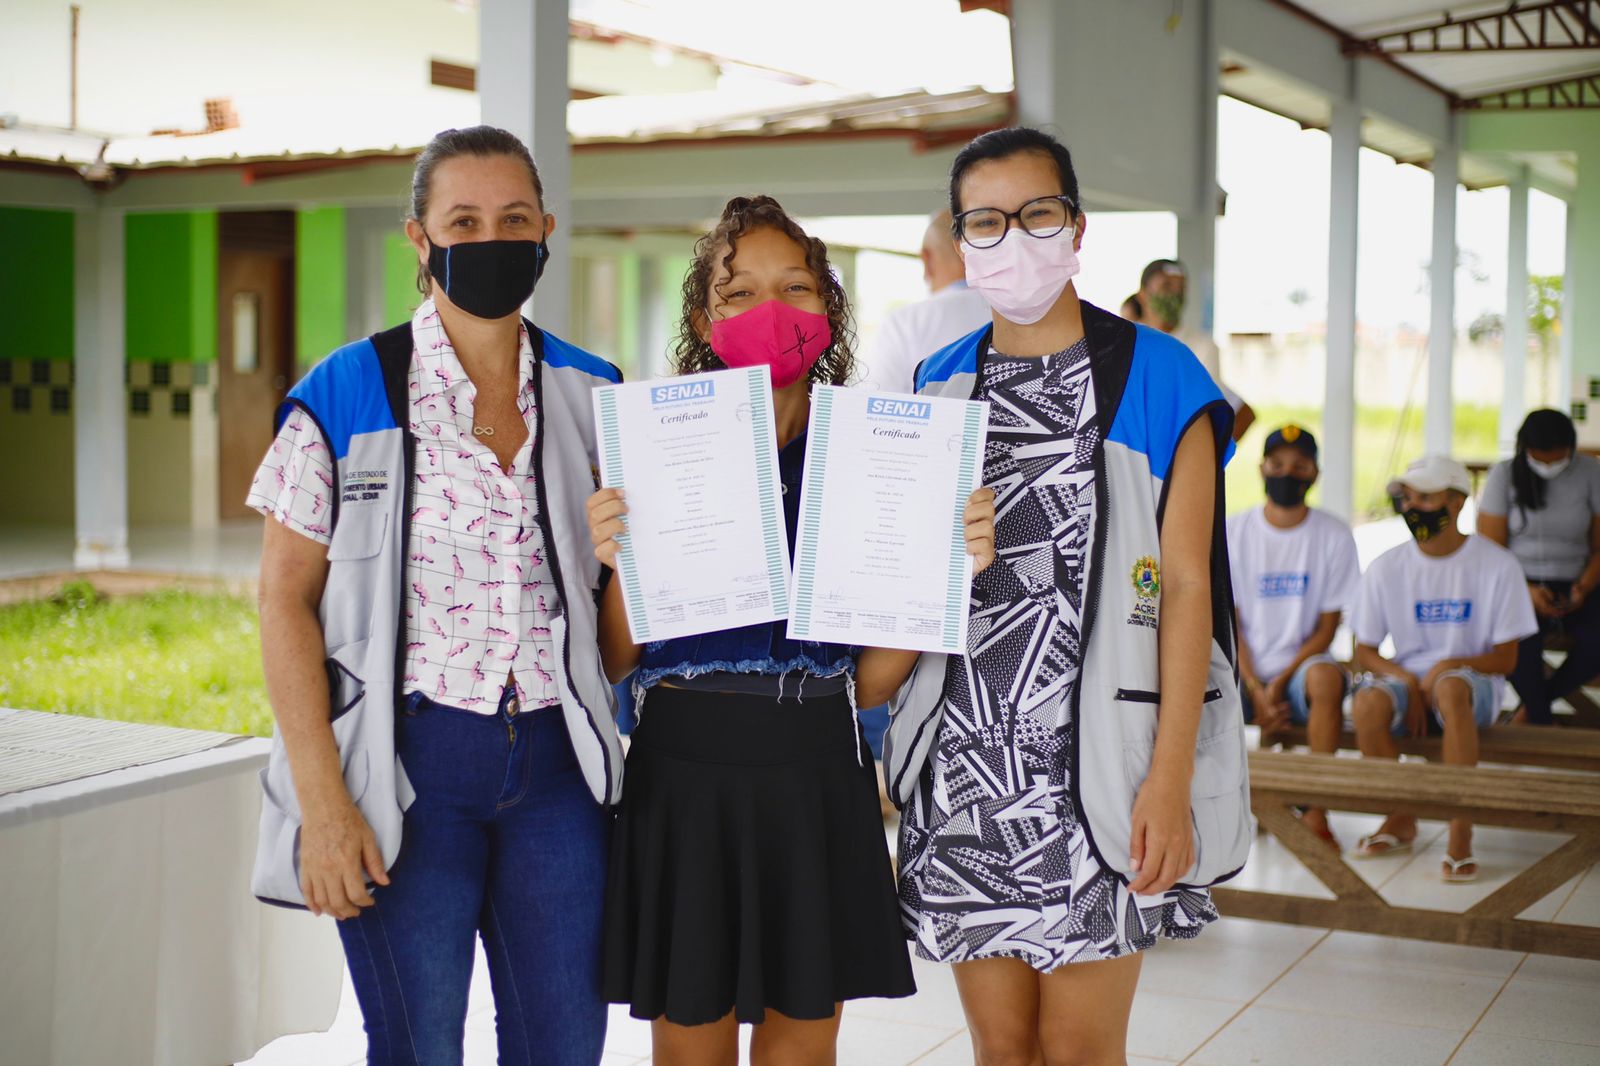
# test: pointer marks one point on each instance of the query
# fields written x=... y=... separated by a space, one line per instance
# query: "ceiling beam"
x=1550 y=26
x=1352 y=45
x=1580 y=93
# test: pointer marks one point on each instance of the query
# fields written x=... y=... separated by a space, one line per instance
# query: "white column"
x=1513 y=396
x=1197 y=228
x=100 y=423
x=1339 y=403
x=1439 y=432
x=522 y=87
x=1569 y=313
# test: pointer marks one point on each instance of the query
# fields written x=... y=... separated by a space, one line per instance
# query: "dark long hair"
x=692 y=354
x=1543 y=430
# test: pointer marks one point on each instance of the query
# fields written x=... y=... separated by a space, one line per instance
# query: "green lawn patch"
x=177 y=657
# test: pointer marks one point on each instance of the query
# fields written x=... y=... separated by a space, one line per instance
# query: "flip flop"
x=1375 y=845
x=1451 y=873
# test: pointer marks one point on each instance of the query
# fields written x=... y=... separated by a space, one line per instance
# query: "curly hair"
x=692 y=354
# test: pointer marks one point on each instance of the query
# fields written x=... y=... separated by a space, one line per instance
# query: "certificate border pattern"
x=810 y=531
x=960 y=565
x=627 y=571
x=774 y=532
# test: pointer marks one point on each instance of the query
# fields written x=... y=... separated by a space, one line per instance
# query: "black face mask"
x=1425 y=525
x=1287 y=491
x=488 y=279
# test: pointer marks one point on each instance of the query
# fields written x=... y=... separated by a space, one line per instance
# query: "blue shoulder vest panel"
x=960 y=357
x=558 y=352
x=1167 y=388
x=345 y=394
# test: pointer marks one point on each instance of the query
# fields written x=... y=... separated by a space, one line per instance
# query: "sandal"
x=1374 y=845
x=1451 y=874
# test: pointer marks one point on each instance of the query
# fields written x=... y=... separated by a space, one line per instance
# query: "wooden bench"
x=1549 y=801
x=1522 y=745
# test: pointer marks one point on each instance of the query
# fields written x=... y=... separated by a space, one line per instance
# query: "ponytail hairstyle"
x=692 y=354
x=1543 y=430
x=481 y=141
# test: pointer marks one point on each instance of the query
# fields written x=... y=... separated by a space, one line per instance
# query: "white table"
x=128 y=933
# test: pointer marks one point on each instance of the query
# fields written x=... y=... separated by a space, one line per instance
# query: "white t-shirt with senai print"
x=1285 y=580
x=1454 y=607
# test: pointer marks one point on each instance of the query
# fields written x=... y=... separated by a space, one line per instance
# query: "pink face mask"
x=774 y=334
x=1023 y=276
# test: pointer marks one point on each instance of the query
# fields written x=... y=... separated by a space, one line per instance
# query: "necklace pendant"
x=483 y=431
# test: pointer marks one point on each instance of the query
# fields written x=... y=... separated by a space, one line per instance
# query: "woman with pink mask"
x=750 y=880
x=1075 y=780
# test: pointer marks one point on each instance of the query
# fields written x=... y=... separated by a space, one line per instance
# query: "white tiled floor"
x=1244 y=992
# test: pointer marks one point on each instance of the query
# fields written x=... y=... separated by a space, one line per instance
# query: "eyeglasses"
x=985 y=227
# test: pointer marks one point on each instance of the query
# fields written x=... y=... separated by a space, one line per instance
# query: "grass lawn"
x=176 y=657
x=1381 y=453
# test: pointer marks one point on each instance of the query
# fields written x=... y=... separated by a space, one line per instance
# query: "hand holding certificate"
x=705 y=547
x=881 y=558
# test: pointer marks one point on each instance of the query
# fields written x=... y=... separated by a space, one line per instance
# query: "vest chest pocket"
x=359 y=534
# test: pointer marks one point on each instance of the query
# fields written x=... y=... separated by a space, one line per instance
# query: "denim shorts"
x=1299 y=703
x=1485 y=710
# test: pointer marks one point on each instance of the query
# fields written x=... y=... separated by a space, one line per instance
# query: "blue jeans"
x=1299 y=702
x=505 y=841
x=1485 y=709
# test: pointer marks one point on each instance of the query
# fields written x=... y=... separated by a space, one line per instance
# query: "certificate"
x=705 y=547
x=881 y=558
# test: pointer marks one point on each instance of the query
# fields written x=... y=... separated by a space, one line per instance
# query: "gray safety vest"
x=1149 y=389
x=358 y=399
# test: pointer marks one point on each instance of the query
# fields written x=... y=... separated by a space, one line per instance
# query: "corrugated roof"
x=336 y=133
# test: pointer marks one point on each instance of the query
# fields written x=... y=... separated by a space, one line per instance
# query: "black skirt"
x=749 y=868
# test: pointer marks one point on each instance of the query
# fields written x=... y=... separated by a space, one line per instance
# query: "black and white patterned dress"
x=993 y=859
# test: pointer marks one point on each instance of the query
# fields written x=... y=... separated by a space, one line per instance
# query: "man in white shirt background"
x=1456 y=607
x=912 y=333
x=1295 y=572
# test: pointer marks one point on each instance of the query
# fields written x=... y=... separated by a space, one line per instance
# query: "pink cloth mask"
x=1023 y=276
x=774 y=334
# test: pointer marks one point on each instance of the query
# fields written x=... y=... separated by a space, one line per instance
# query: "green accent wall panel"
x=36 y=273
x=319 y=282
x=400 y=295
x=171 y=287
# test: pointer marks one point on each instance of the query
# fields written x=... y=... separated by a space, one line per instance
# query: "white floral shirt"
x=479 y=591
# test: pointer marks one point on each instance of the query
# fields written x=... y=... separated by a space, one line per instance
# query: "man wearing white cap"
x=1456 y=607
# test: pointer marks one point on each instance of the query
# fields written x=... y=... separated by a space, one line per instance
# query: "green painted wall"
x=171 y=287
x=400 y=295
x=319 y=282
x=36 y=273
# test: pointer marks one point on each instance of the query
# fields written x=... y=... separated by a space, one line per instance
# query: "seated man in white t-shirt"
x=1295 y=571
x=1456 y=607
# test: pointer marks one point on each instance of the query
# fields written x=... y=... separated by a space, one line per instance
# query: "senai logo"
x=678 y=391
x=885 y=407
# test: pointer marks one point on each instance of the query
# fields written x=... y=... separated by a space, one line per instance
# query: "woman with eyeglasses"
x=1075 y=780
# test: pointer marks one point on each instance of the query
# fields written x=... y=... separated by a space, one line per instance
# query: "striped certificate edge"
x=774 y=534
x=818 y=436
x=610 y=438
x=974 y=433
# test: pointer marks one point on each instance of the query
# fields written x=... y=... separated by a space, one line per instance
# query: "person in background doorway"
x=1456 y=607
x=912 y=333
x=1544 y=504
x=1295 y=572
x=1159 y=304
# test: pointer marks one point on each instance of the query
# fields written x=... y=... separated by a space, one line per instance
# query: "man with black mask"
x=1456 y=607
x=1295 y=572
